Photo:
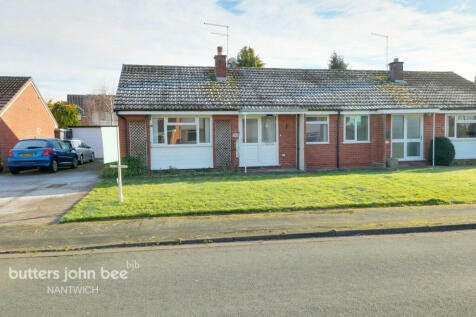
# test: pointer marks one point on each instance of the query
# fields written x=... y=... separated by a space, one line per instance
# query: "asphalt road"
x=36 y=197
x=430 y=274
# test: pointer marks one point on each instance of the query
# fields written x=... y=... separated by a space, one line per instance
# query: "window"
x=268 y=129
x=32 y=144
x=356 y=129
x=317 y=129
x=461 y=127
x=251 y=130
x=181 y=130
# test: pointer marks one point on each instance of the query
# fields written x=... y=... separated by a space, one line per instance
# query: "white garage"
x=103 y=140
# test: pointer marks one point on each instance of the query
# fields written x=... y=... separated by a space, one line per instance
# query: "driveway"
x=35 y=197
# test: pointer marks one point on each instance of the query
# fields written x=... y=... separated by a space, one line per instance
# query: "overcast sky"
x=79 y=46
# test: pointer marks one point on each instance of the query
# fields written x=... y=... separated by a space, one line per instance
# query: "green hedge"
x=135 y=167
x=444 y=151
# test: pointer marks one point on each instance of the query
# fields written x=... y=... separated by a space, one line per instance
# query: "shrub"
x=135 y=167
x=444 y=151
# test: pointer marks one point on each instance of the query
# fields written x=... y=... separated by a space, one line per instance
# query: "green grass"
x=284 y=192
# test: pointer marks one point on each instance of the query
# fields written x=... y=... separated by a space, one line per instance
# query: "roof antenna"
x=221 y=34
x=386 y=47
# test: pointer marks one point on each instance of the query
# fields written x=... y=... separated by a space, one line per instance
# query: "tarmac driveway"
x=35 y=197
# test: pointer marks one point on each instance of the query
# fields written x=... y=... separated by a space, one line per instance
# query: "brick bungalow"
x=23 y=113
x=215 y=117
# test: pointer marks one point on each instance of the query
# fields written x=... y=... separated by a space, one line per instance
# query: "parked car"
x=43 y=153
x=84 y=151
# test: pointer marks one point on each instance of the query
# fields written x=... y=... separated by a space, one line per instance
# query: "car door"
x=67 y=154
x=87 y=150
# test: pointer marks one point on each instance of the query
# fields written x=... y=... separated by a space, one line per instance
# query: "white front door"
x=407 y=137
x=261 y=145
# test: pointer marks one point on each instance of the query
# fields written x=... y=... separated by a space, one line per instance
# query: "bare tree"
x=101 y=105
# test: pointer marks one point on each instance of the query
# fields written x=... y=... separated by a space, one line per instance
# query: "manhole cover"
x=55 y=185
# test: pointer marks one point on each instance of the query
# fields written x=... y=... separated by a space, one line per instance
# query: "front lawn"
x=284 y=192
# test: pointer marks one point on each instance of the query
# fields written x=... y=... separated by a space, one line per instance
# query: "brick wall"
x=26 y=118
x=428 y=130
x=287 y=125
x=124 y=134
x=322 y=156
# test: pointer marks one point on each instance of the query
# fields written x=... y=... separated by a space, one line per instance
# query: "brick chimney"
x=396 y=70
x=220 y=64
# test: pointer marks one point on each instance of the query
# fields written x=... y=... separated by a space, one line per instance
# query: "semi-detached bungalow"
x=214 y=117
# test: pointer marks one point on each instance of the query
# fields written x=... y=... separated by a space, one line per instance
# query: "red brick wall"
x=125 y=141
x=234 y=129
x=428 y=130
x=287 y=125
x=322 y=156
x=26 y=118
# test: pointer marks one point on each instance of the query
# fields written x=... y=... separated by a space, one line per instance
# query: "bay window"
x=180 y=130
x=317 y=129
x=461 y=127
x=356 y=129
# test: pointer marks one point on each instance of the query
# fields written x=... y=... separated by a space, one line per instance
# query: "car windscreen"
x=31 y=144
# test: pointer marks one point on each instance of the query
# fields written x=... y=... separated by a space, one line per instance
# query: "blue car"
x=43 y=153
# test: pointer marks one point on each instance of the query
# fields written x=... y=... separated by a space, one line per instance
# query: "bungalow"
x=215 y=117
x=23 y=113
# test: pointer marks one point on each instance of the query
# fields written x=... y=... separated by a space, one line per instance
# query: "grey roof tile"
x=9 y=86
x=194 y=88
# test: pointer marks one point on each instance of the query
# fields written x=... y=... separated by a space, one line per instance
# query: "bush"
x=135 y=167
x=444 y=151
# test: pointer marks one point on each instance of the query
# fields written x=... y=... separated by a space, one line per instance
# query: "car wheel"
x=14 y=171
x=53 y=166
x=75 y=162
x=92 y=157
x=81 y=160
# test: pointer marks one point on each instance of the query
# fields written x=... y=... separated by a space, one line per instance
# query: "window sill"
x=462 y=139
x=355 y=142
x=311 y=143
x=180 y=145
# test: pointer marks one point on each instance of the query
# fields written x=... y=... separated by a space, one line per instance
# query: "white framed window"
x=461 y=126
x=317 y=130
x=171 y=131
x=356 y=129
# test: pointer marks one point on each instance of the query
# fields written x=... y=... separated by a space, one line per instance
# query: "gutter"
x=125 y=132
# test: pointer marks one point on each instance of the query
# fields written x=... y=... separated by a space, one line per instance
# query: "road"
x=35 y=197
x=430 y=274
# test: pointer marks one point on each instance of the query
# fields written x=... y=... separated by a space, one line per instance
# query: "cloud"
x=77 y=46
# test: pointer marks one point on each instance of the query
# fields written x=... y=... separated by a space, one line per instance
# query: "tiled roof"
x=194 y=88
x=9 y=86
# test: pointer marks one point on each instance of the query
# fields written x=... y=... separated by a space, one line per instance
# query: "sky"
x=78 y=47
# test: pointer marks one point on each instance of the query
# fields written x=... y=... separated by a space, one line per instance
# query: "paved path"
x=35 y=197
x=159 y=229
x=431 y=274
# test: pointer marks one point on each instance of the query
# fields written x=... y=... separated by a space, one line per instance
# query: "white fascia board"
x=325 y=113
x=177 y=113
x=458 y=111
x=350 y=113
x=398 y=111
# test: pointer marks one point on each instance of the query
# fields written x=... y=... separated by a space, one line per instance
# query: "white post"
x=245 y=150
x=434 y=115
x=119 y=172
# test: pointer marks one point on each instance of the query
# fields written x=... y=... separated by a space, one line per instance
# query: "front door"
x=261 y=146
x=407 y=137
x=223 y=143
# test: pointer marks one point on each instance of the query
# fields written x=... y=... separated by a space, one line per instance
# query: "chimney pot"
x=220 y=50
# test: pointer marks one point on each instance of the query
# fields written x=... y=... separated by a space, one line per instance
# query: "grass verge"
x=271 y=192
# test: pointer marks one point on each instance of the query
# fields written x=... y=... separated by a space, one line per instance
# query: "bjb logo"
x=132 y=265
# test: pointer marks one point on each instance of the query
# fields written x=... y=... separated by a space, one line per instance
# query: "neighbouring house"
x=214 y=117
x=23 y=113
x=95 y=110
x=98 y=122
